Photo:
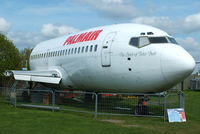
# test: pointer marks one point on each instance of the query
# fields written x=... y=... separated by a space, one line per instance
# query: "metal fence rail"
x=76 y=101
x=150 y=105
x=33 y=98
x=131 y=104
x=195 y=84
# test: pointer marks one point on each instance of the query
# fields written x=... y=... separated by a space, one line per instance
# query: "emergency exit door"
x=106 y=50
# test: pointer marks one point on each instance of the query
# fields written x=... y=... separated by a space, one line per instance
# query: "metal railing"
x=149 y=105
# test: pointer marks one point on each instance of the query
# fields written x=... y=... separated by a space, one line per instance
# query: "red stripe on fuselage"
x=88 y=36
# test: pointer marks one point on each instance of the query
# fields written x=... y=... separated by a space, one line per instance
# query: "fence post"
x=181 y=100
x=15 y=98
x=165 y=106
x=53 y=100
x=96 y=105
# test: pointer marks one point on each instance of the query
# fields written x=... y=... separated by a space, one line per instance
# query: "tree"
x=9 y=55
x=25 y=55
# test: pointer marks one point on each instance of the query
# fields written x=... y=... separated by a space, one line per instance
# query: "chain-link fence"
x=195 y=84
x=76 y=101
x=33 y=98
x=131 y=104
x=150 y=105
x=4 y=94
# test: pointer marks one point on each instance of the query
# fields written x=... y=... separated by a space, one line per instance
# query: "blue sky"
x=28 y=22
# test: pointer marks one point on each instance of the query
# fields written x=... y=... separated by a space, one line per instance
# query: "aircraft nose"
x=176 y=65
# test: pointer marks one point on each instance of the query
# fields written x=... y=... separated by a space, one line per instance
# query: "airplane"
x=128 y=57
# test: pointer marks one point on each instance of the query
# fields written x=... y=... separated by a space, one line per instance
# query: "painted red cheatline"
x=88 y=36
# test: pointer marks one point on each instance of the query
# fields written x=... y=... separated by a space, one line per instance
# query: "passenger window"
x=95 y=48
x=75 y=50
x=72 y=50
x=79 y=50
x=82 y=50
x=86 y=50
x=66 y=52
x=91 y=48
x=69 y=51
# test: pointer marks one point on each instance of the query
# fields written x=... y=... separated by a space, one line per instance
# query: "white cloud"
x=44 y=10
x=161 y=22
x=116 y=9
x=113 y=1
x=188 y=24
x=4 y=25
x=25 y=39
x=191 y=45
x=51 y=30
x=48 y=31
x=191 y=23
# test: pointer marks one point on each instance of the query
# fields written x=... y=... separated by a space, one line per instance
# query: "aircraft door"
x=106 y=50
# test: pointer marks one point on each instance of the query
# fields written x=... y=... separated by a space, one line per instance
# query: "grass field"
x=33 y=121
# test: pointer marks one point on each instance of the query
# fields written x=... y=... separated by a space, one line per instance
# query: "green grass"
x=33 y=121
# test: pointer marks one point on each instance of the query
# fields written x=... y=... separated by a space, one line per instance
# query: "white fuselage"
x=111 y=63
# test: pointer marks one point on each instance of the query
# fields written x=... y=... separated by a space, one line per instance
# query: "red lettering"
x=88 y=36
x=71 y=39
x=74 y=39
x=68 y=40
x=95 y=35
x=80 y=38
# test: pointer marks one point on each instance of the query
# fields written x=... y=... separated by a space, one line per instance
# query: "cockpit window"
x=158 y=40
x=172 y=40
x=145 y=40
x=134 y=42
x=139 y=42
